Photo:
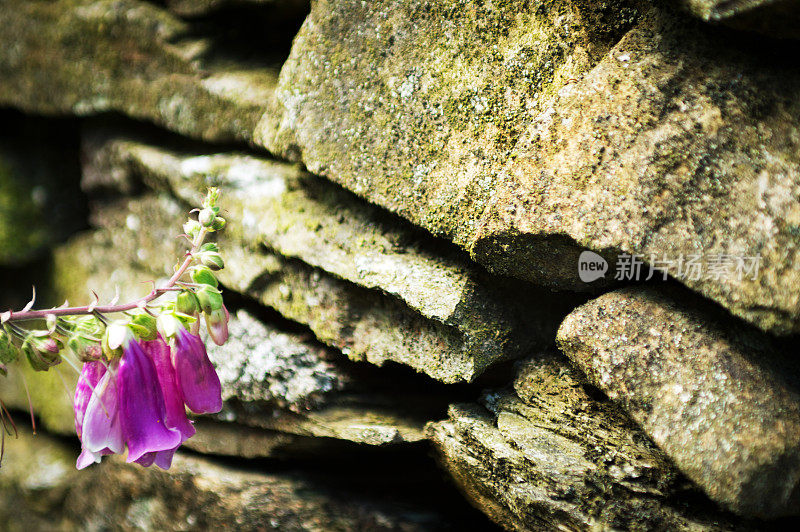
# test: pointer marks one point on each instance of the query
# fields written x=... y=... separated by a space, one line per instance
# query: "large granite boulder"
x=527 y=132
x=719 y=399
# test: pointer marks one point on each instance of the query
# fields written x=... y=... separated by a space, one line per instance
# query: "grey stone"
x=548 y=456
x=412 y=283
x=43 y=491
x=526 y=133
x=85 y=57
x=774 y=18
x=719 y=399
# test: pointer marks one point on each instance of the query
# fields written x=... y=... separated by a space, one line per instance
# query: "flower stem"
x=110 y=309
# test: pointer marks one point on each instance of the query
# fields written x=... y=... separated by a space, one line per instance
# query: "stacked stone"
x=414 y=186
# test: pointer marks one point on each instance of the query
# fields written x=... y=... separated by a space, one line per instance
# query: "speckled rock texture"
x=329 y=245
x=526 y=132
x=43 y=491
x=85 y=57
x=547 y=455
x=774 y=18
x=720 y=400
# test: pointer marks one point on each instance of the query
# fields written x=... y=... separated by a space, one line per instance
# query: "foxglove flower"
x=101 y=429
x=196 y=376
x=175 y=414
x=142 y=409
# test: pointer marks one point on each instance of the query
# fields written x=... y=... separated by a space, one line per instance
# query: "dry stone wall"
x=410 y=187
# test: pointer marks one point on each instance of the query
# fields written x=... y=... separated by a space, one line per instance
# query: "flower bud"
x=192 y=228
x=209 y=247
x=168 y=325
x=210 y=298
x=186 y=303
x=219 y=223
x=212 y=260
x=211 y=197
x=206 y=217
x=145 y=326
x=42 y=354
x=8 y=352
x=217 y=324
x=203 y=275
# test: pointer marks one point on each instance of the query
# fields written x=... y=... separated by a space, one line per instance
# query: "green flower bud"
x=211 y=197
x=8 y=352
x=203 y=275
x=210 y=298
x=206 y=217
x=219 y=223
x=144 y=325
x=186 y=303
x=209 y=247
x=212 y=260
x=42 y=353
x=192 y=228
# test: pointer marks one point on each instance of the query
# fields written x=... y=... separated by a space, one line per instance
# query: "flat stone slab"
x=549 y=456
x=526 y=133
x=325 y=239
x=718 y=398
x=85 y=57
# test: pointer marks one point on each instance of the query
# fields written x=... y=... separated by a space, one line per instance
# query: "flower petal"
x=141 y=405
x=164 y=458
x=175 y=413
x=196 y=376
x=101 y=426
x=91 y=373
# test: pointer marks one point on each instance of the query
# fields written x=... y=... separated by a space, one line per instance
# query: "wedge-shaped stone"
x=42 y=491
x=91 y=56
x=551 y=457
x=720 y=400
x=526 y=136
x=359 y=254
x=775 y=18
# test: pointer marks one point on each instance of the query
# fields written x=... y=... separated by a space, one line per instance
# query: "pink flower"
x=196 y=376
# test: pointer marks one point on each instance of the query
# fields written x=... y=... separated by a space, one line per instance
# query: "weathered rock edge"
x=548 y=456
x=714 y=395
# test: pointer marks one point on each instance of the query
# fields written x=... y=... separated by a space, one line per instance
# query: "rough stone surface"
x=40 y=203
x=614 y=126
x=43 y=491
x=430 y=287
x=774 y=18
x=715 y=396
x=85 y=57
x=548 y=456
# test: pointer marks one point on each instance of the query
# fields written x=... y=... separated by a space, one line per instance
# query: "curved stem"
x=110 y=309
